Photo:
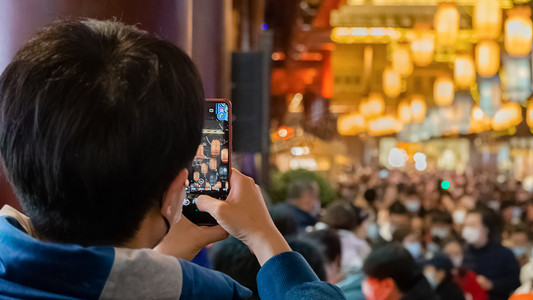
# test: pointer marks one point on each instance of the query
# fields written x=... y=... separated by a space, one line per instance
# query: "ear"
x=173 y=197
x=387 y=286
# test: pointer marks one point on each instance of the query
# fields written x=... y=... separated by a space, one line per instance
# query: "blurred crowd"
x=398 y=235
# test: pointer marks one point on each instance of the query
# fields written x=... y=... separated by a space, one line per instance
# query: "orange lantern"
x=446 y=23
x=487 y=58
x=418 y=108
x=392 y=83
x=224 y=156
x=404 y=111
x=510 y=114
x=401 y=60
x=530 y=115
x=443 y=91
x=384 y=125
x=373 y=107
x=487 y=19
x=351 y=124
x=518 y=31
x=215 y=147
x=464 y=71
x=422 y=48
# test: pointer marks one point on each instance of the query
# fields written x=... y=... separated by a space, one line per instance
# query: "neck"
x=144 y=237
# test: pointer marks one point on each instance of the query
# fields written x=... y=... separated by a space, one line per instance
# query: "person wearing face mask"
x=411 y=242
x=412 y=202
x=399 y=218
x=497 y=268
x=392 y=274
x=438 y=272
x=441 y=229
x=519 y=243
x=466 y=279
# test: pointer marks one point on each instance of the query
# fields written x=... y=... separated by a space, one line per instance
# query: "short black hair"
x=398 y=208
x=341 y=215
x=441 y=217
x=96 y=120
x=393 y=261
x=311 y=252
x=328 y=241
x=298 y=187
x=491 y=220
x=283 y=220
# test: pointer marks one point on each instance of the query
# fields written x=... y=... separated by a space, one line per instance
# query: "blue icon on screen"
x=222 y=112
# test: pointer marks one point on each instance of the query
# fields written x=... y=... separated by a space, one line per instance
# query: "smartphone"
x=210 y=171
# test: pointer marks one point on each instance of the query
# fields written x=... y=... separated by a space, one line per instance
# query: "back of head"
x=311 y=252
x=96 y=120
x=298 y=187
x=341 y=215
x=398 y=208
x=283 y=220
x=328 y=241
x=392 y=261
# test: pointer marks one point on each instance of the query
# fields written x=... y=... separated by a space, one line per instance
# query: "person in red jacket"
x=465 y=278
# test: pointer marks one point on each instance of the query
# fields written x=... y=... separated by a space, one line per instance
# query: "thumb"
x=209 y=205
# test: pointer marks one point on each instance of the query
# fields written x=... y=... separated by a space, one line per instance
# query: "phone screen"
x=210 y=170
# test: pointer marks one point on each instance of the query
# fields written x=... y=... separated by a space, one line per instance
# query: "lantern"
x=478 y=121
x=373 y=106
x=351 y=124
x=447 y=23
x=517 y=83
x=464 y=72
x=443 y=91
x=418 y=108
x=404 y=111
x=489 y=95
x=518 y=31
x=510 y=114
x=422 y=48
x=401 y=60
x=392 y=83
x=384 y=125
x=487 y=19
x=487 y=58
x=477 y=113
x=530 y=115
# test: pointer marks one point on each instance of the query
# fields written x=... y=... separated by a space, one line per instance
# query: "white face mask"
x=459 y=216
x=457 y=261
x=471 y=234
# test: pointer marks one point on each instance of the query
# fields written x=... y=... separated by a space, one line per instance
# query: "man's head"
x=343 y=215
x=441 y=225
x=519 y=240
x=399 y=216
x=98 y=122
x=391 y=272
x=329 y=244
x=304 y=194
x=437 y=269
x=482 y=225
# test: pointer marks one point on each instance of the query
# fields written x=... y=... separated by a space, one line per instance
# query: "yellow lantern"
x=447 y=23
x=478 y=121
x=351 y=124
x=373 y=106
x=392 y=83
x=510 y=114
x=487 y=19
x=443 y=91
x=529 y=115
x=464 y=72
x=518 y=31
x=418 y=108
x=384 y=125
x=487 y=58
x=477 y=113
x=404 y=111
x=422 y=48
x=401 y=60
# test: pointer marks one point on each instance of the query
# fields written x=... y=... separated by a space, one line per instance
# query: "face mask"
x=471 y=234
x=414 y=249
x=459 y=216
x=457 y=261
x=517 y=212
x=373 y=231
x=441 y=233
x=430 y=276
x=412 y=205
x=518 y=251
x=495 y=205
x=433 y=248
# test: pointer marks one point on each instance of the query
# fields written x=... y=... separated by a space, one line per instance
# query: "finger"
x=214 y=234
x=209 y=205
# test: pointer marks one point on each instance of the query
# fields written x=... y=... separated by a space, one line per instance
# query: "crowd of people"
x=417 y=235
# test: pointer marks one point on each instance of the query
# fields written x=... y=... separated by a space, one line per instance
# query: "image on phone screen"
x=210 y=169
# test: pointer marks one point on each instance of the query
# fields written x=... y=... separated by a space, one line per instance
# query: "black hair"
x=441 y=217
x=310 y=251
x=298 y=187
x=233 y=257
x=341 y=215
x=370 y=195
x=283 y=220
x=519 y=228
x=393 y=261
x=491 y=220
x=398 y=208
x=328 y=241
x=97 y=118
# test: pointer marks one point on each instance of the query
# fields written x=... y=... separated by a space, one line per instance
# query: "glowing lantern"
x=384 y=125
x=487 y=19
x=447 y=23
x=373 y=106
x=530 y=115
x=464 y=72
x=401 y=60
x=404 y=111
x=443 y=91
x=392 y=83
x=508 y=115
x=518 y=31
x=477 y=113
x=351 y=124
x=418 y=108
x=478 y=121
x=422 y=48
x=487 y=58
